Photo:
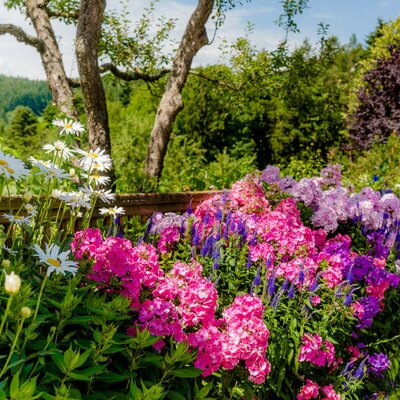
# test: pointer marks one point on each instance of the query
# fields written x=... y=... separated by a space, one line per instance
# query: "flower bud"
x=26 y=312
x=27 y=197
x=29 y=207
x=55 y=193
x=6 y=264
x=12 y=284
x=72 y=172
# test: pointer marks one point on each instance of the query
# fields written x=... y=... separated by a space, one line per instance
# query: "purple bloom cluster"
x=378 y=363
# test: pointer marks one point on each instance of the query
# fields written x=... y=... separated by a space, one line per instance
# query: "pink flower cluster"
x=311 y=390
x=181 y=304
x=240 y=335
x=317 y=352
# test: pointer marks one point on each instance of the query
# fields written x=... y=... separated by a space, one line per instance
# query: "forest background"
x=299 y=109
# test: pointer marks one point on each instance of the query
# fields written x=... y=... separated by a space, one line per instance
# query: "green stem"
x=28 y=331
x=12 y=347
x=3 y=320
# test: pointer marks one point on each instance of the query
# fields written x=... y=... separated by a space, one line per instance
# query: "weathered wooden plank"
x=134 y=204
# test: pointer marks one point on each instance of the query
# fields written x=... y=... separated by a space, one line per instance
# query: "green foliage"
x=380 y=162
x=22 y=92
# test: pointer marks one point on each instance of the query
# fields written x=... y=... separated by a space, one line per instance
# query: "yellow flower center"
x=54 y=262
x=92 y=155
x=68 y=126
x=3 y=163
x=96 y=176
x=10 y=170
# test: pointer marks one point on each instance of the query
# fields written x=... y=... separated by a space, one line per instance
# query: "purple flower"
x=271 y=284
x=207 y=247
x=378 y=363
x=271 y=175
x=359 y=372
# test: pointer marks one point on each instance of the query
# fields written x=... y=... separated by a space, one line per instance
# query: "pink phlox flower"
x=169 y=236
x=330 y=393
x=263 y=252
x=85 y=243
x=315 y=351
x=308 y=391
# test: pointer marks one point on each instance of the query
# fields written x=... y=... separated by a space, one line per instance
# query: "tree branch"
x=216 y=81
x=136 y=75
x=64 y=14
x=21 y=36
x=74 y=83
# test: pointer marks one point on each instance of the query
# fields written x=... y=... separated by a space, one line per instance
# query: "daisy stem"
x=12 y=347
x=3 y=320
x=28 y=331
x=91 y=212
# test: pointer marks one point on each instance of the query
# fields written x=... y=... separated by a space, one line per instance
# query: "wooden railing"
x=143 y=204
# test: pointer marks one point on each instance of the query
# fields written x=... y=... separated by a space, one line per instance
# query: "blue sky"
x=344 y=17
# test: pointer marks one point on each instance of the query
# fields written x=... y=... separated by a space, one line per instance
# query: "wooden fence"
x=143 y=204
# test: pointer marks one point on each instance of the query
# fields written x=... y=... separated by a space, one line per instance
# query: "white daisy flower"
x=52 y=172
x=11 y=167
x=69 y=126
x=98 y=180
x=95 y=160
x=114 y=211
x=31 y=209
x=60 y=149
x=76 y=199
x=56 y=194
x=106 y=196
x=18 y=219
x=40 y=163
x=55 y=259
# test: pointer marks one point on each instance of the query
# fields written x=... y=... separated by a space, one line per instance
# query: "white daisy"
x=18 y=219
x=98 y=180
x=31 y=209
x=69 y=126
x=76 y=199
x=60 y=149
x=52 y=172
x=55 y=260
x=114 y=211
x=95 y=160
x=11 y=167
x=40 y=163
x=106 y=196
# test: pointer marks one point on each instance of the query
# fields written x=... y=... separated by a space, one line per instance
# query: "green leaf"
x=175 y=395
x=58 y=359
x=82 y=358
x=190 y=372
x=27 y=390
x=78 y=377
x=14 y=386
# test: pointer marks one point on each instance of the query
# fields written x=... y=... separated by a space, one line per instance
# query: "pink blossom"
x=308 y=391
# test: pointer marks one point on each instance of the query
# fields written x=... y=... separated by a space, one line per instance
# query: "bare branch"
x=21 y=36
x=136 y=75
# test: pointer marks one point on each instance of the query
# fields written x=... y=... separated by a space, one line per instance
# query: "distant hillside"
x=21 y=91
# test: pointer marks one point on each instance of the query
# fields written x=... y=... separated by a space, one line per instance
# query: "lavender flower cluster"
x=333 y=203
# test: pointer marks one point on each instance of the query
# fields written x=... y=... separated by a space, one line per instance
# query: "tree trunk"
x=194 y=38
x=87 y=39
x=52 y=61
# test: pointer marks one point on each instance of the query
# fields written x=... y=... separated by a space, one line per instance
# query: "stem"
x=28 y=331
x=3 y=320
x=12 y=347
